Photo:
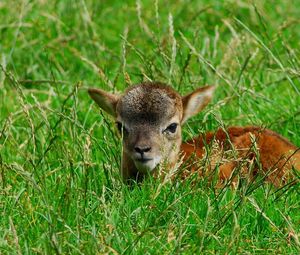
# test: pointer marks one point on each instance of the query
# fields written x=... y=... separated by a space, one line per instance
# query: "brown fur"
x=148 y=102
x=146 y=111
x=274 y=155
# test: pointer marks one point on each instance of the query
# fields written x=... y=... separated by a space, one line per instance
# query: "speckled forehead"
x=150 y=105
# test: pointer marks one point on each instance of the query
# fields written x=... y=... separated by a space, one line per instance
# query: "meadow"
x=60 y=188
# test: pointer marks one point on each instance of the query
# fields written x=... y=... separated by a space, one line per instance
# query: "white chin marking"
x=148 y=166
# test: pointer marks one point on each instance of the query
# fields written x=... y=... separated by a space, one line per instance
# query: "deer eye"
x=172 y=128
x=120 y=127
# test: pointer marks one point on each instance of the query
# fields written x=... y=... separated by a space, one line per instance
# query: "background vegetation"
x=60 y=190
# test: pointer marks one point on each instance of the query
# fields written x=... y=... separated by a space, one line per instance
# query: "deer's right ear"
x=196 y=101
x=106 y=101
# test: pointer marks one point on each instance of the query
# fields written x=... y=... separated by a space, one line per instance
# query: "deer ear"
x=106 y=101
x=196 y=101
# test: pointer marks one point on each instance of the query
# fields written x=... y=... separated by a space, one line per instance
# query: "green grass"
x=60 y=189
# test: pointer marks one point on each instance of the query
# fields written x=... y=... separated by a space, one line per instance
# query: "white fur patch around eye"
x=174 y=119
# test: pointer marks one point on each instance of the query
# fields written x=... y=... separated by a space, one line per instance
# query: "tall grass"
x=60 y=189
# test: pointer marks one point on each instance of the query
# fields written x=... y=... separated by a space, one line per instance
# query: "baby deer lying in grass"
x=149 y=117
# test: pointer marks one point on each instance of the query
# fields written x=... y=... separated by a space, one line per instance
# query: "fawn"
x=149 y=117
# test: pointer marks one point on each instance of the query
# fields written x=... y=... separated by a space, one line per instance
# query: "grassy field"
x=60 y=189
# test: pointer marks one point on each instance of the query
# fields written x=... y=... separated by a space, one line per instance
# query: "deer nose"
x=142 y=150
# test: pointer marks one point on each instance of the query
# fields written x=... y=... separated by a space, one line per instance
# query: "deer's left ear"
x=107 y=101
x=193 y=103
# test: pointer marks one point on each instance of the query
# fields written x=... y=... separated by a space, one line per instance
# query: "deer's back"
x=277 y=156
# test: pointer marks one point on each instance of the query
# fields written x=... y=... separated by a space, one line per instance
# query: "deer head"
x=149 y=117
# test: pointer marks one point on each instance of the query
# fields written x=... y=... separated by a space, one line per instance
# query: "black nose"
x=142 y=150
